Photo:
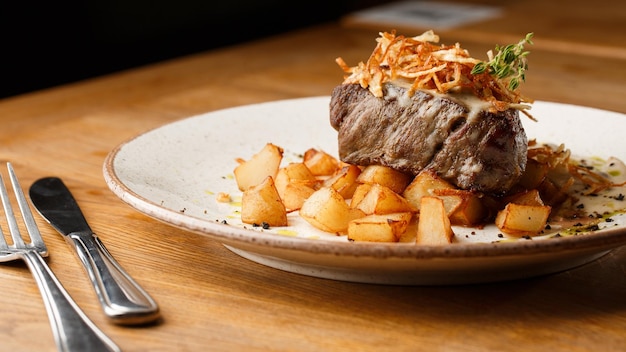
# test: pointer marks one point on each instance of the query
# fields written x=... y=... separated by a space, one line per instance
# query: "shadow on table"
x=586 y=294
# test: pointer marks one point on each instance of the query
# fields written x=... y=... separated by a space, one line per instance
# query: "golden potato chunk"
x=328 y=211
x=534 y=173
x=263 y=164
x=344 y=180
x=320 y=163
x=463 y=207
x=262 y=204
x=295 y=183
x=386 y=176
x=295 y=194
x=379 y=228
x=425 y=184
x=382 y=200
x=359 y=193
x=519 y=219
x=553 y=194
x=527 y=197
x=294 y=172
x=434 y=225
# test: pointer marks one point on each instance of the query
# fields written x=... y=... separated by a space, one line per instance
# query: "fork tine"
x=8 y=212
x=4 y=246
x=27 y=215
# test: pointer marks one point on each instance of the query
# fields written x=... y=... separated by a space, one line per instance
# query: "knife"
x=124 y=302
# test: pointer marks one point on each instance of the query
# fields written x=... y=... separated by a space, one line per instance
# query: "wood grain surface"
x=212 y=299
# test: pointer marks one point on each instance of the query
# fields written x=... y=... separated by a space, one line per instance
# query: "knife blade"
x=124 y=302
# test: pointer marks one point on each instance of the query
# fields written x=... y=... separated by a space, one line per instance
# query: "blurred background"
x=48 y=43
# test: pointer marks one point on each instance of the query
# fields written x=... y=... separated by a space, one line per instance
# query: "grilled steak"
x=474 y=150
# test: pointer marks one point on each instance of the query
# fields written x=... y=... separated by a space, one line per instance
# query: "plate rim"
x=604 y=239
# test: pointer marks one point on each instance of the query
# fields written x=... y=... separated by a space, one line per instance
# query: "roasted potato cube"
x=344 y=180
x=359 y=193
x=470 y=212
x=552 y=194
x=433 y=226
x=294 y=173
x=410 y=233
x=262 y=204
x=463 y=207
x=534 y=174
x=426 y=184
x=386 y=176
x=328 y=211
x=295 y=194
x=382 y=200
x=263 y=164
x=379 y=228
x=320 y=163
x=528 y=197
x=517 y=219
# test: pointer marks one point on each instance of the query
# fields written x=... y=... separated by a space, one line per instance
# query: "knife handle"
x=121 y=298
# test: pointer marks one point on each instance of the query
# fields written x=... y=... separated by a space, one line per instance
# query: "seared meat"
x=479 y=151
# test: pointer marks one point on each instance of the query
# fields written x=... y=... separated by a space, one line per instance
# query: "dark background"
x=48 y=43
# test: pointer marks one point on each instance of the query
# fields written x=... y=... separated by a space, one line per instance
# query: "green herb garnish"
x=509 y=63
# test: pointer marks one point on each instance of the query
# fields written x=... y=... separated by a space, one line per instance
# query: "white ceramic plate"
x=174 y=172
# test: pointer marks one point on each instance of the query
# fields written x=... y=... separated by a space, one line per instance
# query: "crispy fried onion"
x=564 y=172
x=419 y=63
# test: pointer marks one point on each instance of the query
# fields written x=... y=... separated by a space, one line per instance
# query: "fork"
x=72 y=329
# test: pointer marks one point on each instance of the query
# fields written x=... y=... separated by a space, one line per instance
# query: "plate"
x=173 y=174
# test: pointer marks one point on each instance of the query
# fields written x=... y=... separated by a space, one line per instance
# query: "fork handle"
x=72 y=329
x=121 y=298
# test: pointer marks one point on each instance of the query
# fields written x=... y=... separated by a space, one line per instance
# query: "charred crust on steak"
x=482 y=151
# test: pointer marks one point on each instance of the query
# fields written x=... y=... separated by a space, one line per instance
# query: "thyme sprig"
x=509 y=63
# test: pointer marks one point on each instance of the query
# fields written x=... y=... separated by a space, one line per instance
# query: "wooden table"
x=212 y=299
